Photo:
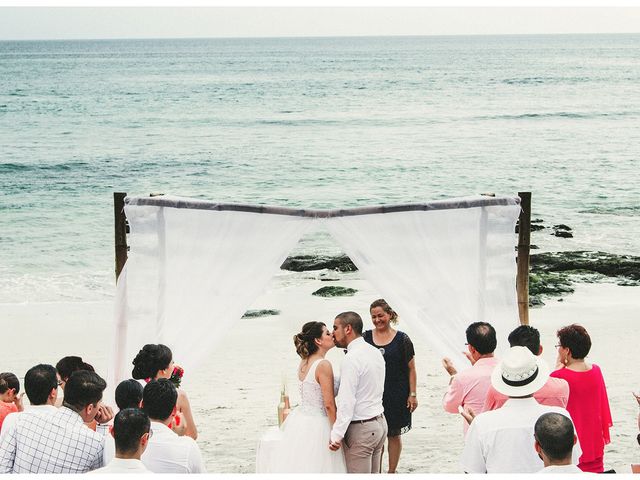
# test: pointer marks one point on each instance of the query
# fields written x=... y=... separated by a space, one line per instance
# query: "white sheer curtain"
x=191 y=274
x=440 y=270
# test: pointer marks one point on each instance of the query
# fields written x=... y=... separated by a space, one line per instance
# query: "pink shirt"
x=6 y=409
x=469 y=388
x=589 y=408
x=554 y=393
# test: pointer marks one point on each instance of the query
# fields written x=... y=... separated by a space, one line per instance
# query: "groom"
x=360 y=424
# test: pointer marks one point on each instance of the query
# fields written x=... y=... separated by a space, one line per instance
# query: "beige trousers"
x=364 y=444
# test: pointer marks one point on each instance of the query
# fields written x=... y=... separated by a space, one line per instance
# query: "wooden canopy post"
x=524 y=246
x=120 y=231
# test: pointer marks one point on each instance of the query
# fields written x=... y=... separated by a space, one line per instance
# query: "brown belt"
x=368 y=419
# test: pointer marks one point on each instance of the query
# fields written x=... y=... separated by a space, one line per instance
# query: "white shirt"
x=123 y=465
x=167 y=452
x=10 y=420
x=361 y=386
x=561 y=469
x=501 y=441
x=59 y=442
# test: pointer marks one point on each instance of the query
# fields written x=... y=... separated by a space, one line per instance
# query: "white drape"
x=440 y=270
x=191 y=274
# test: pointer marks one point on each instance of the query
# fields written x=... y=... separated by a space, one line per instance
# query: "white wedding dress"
x=304 y=447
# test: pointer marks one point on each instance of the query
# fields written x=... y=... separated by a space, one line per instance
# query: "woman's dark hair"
x=38 y=383
x=576 y=339
x=150 y=360
x=129 y=426
x=128 y=394
x=305 y=340
x=8 y=381
x=159 y=398
x=382 y=303
x=67 y=365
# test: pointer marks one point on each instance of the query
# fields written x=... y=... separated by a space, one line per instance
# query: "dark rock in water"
x=334 y=291
x=554 y=273
x=260 y=313
x=562 y=226
x=609 y=264
x=536 y=228
x=537 y=220
x=562 y=234
x=304 y=263
x=534 y=247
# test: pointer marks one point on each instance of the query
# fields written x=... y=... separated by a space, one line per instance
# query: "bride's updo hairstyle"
x=151 y=359
x=305 y=340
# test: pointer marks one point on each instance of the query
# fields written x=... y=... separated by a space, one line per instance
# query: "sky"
x=94 y=22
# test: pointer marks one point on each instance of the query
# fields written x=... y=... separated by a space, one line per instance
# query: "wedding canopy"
x=194 y=268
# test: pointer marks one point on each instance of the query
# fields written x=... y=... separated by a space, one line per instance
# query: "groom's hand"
x=334 y=446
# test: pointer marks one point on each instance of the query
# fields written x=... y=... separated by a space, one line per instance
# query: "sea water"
x=307 y=122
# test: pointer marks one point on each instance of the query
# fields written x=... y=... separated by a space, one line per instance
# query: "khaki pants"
x=364 y=444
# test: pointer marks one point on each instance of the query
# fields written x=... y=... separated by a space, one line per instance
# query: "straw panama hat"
x=520 y=373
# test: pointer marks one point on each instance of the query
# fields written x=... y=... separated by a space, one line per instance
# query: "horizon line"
x=275 y=37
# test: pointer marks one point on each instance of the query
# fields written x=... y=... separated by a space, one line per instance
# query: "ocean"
x=309 y=122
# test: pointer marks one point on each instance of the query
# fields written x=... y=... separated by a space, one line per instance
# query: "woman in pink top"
x=10 y=401
x=588 y=402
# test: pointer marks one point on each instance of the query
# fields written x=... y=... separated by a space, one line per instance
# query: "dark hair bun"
x=305 y=340
x=151 y=359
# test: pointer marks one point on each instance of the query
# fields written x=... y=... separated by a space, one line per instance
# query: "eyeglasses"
x=60 y=382
x=558 y=345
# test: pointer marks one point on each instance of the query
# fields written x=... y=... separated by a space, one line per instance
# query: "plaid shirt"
x=56 y=443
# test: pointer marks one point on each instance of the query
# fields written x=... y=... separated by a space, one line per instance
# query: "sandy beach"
x=235 y=392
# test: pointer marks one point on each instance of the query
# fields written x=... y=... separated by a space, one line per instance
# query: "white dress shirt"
x=167 y=452
x=501 y=441
x=562 y=469
x=10 y=420
x=361 y=386
x=59 y=442
x=123 y=465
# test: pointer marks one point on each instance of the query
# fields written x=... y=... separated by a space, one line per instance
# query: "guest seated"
x=58 y=442
x=129 y=394
x=65 y=367
x=166 y=451
x=131 y=431
x=41 y=387
x=555 y=438
x=156 y=362
x=10 y=401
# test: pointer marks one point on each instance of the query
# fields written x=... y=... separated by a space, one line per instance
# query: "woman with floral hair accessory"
x=156 y=361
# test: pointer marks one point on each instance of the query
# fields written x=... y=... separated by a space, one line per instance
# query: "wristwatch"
x=413 y=394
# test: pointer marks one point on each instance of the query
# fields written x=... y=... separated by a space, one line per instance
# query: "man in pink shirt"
x=468 y=389
x=554 y=393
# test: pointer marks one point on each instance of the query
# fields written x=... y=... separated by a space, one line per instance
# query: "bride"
x=304 y=447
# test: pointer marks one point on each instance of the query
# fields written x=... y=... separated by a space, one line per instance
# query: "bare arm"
x=412 y=401
x=324 y=376
x=184 y=407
